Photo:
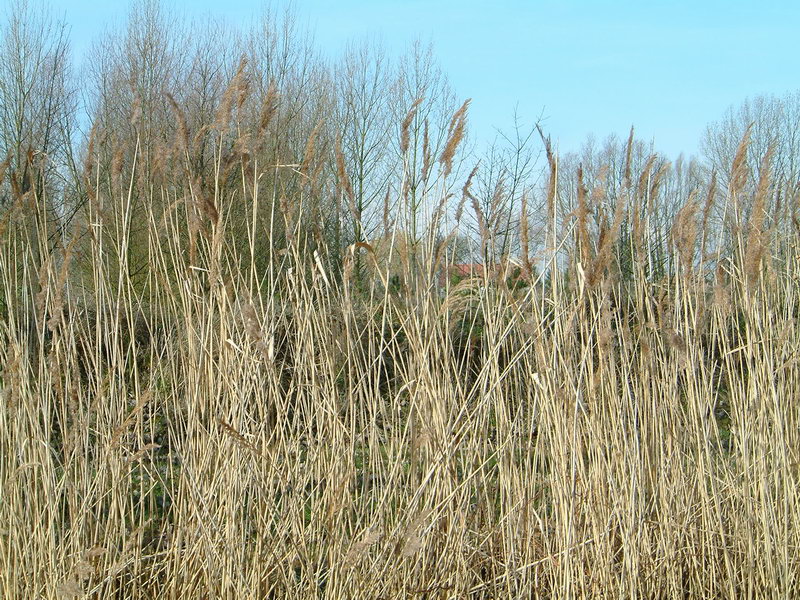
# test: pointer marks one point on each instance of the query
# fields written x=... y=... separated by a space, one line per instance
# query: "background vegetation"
x=231 y=366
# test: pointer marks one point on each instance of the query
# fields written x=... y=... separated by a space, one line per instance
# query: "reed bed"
x=205 y=429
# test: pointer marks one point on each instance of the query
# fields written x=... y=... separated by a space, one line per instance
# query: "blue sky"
x=668 y=68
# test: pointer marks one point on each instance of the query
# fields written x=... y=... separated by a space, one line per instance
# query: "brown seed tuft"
x=358 y=549
x=235 y=94
x=456 y=131
x=739 y=165
x=684 y=232
x=755 y=249
x=269 y=107
x=182 y=133
x=404 y=130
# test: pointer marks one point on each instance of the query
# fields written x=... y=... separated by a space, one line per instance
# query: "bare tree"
x=37 y=108
x=423 y=86
x=772 y=121
x=627 y=187
x=288 y=75
x=767 y=130
x=363 y=117
x=128 y=74
x=508 y=171
x=770 y=127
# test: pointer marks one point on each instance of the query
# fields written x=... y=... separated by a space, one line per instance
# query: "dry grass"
x=211 y=434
